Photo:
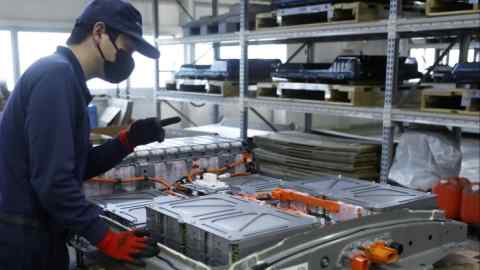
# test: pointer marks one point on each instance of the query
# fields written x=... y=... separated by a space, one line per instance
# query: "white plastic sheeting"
x=424 y=157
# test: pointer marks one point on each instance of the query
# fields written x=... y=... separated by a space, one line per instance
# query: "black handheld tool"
x=169 y=121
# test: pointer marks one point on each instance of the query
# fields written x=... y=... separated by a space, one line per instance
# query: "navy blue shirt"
x=45 y=154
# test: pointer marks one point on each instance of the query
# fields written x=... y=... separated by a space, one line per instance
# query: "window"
x=35 y=45
x=425 y=57
x=171 y=59
x=274 y=51
x=97 y=86
x=144 y=73
x=453 y=57
x=6 y=61
x=45 y=44
x=455 y=54
x=203 y=54
x=471 y=55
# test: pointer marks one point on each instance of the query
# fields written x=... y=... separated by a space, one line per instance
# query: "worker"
x=45 y=153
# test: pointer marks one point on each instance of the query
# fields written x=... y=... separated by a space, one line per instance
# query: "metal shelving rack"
x=392 y=29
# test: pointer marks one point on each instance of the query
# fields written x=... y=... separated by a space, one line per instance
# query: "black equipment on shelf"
x=467 y=73
x=298 y=3
x=348 y=68
x=442 y=73
x=260 y=70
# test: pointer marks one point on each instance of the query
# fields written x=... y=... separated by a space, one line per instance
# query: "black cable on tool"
x=198 y=105
x=169 y=263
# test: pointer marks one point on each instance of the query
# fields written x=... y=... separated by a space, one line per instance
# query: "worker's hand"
x=145 y=131
x=130 y=246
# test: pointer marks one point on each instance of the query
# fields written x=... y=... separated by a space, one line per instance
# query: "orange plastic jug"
x=449 y=197
x=470 y=210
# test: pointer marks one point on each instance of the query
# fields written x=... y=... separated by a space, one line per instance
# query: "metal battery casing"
x=253 y=184
x=129 y=208
x=372 y=196
x=173 y=158
x=220 y=229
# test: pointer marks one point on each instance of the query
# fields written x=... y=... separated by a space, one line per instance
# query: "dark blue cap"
x=121 y=16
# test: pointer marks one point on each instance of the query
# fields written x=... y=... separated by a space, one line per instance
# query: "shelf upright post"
x=243 y=76
x=465 y=40
x=310 y=59
x=391 y=85
x=216 y=55
x=156 y=34
x=15 y=55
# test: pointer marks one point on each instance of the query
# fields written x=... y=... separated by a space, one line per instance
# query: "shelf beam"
x=407 y=27
x=439 y=119
x=194 y=97
x=307 y=106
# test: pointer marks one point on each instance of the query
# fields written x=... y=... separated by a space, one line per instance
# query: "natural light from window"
x=35 y=45
x=171 y=59
x=203 y=54
x=45 y=44
x=6 y=62
x=273 y=51
x=425 y=57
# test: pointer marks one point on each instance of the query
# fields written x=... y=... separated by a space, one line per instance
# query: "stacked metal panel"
x=295 y=154
x=221 y=229
x=171 y=159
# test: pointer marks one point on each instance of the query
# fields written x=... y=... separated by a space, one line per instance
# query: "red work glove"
x=145 y=131
x=130 y=246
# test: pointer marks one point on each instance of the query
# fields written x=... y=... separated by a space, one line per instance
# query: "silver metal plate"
x=373 y=196
x=219 y=229
x=253 y=183
x=129 y=208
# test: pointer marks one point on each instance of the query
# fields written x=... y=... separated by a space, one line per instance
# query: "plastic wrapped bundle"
x=423 y=157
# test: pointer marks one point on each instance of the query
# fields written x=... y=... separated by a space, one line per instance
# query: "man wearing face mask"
x=44 y=145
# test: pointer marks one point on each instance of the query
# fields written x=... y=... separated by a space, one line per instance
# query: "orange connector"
x=359 y=262
x=381 y=254
x=311 y=201
x=162 y=181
